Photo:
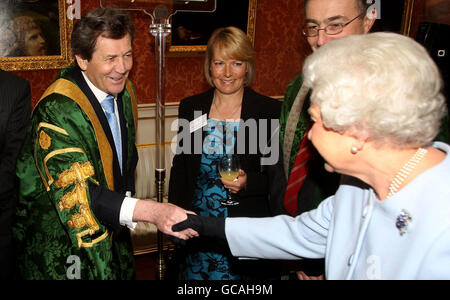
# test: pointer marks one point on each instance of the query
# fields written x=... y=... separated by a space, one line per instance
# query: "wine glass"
x=229 y=169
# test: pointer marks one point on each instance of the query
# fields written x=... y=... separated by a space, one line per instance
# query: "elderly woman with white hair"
x=377 y=106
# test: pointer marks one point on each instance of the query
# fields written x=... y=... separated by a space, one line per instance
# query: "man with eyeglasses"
x=307 y=181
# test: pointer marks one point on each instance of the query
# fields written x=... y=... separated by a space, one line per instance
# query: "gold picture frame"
x=408 y=9
x=177 y=49
x=171 y=5
x=60 y=55
x=395 y=16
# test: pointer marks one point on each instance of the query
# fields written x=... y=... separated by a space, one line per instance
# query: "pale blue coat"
x=357 y=234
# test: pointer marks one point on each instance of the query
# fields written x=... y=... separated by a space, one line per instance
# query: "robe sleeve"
x=62 y=154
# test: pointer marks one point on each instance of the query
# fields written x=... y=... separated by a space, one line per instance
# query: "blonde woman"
x=229 y=118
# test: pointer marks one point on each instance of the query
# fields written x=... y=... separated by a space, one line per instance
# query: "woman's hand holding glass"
x=236 y=185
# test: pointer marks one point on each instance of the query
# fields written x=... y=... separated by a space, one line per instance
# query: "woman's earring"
x=354 y=150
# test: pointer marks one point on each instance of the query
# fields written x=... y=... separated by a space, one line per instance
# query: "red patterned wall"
x=280 y=52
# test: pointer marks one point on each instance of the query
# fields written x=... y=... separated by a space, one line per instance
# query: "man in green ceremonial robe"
x=77 y=166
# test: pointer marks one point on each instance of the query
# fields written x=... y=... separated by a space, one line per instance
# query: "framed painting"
x=394 y=16
x=35 y=34
x=191 y=30
x=171 y=5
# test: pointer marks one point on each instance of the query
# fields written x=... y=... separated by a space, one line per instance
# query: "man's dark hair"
x=107 y=22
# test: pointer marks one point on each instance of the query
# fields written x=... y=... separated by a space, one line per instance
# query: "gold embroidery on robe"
x=69 y=89
x=94 y=241
x=52 y=127
x=44 y=181
x=58 y=152
x=71 y=199
x=78 y=174
x=45 y=141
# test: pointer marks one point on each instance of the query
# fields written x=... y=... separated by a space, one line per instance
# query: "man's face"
x=325 y=12
x=34 y=43
x=110 y=64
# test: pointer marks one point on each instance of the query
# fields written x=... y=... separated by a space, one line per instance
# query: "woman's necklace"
x=220 y=113
x=404 y=172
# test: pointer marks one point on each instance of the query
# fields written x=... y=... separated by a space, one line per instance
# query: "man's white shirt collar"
x=101 y=95
x=98 y=93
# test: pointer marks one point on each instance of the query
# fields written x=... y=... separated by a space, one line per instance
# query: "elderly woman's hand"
x=236 y=185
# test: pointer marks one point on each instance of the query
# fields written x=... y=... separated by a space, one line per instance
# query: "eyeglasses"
x=330 y=29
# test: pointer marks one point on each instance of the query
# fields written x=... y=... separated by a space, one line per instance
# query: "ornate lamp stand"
x=160 y=29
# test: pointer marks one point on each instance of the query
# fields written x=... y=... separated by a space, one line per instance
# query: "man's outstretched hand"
x=164 y=216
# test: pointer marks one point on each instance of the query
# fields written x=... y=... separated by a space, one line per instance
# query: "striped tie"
x=298 y=174
x=108 y=106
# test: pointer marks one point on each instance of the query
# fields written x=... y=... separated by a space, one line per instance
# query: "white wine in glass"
x=229 y=175
x=229 y=169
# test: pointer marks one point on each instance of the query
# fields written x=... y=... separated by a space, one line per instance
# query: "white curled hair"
x=383 y=85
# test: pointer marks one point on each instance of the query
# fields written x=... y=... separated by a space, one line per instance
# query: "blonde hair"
x=232 y=42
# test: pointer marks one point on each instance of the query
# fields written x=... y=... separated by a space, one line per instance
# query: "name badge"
x=198 y=123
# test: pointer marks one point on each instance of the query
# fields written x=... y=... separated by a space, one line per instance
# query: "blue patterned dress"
x=209 y=191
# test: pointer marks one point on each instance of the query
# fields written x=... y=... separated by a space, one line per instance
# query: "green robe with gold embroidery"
x=56 y=232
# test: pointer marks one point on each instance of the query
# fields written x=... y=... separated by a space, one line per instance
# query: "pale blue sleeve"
x=281 y=237
x=436 y=265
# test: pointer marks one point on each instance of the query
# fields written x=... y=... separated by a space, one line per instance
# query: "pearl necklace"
x=406 y=170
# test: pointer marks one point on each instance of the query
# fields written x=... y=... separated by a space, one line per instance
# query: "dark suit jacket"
x=106 y=204
x=15 y=108
x=254 y=200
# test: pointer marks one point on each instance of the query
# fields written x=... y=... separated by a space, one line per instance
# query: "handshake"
x=208 y=227
x=177 y=222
